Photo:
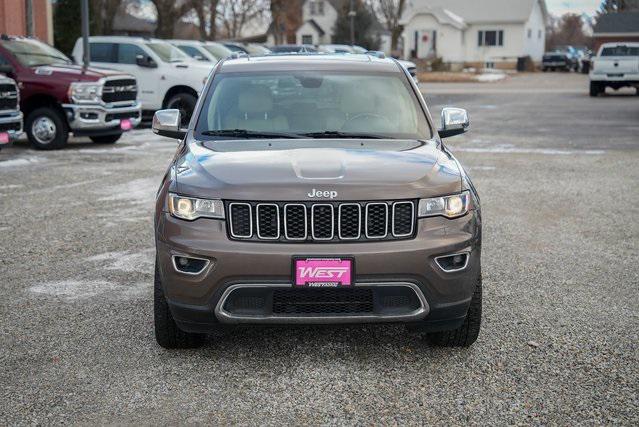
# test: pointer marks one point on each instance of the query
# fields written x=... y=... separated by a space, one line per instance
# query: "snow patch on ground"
x=24 y=161
x=490 y=77
x=139 y=191
x=127 y=261
x=74 y=290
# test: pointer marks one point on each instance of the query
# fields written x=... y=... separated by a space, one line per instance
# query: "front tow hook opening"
x=189 y=265
x=453 y=262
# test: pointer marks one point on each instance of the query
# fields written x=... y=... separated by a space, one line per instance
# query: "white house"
x=481 y=33
x=318 y=17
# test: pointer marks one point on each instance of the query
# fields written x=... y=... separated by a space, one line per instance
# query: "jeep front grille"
x=120 y=90
x=321 y=221
x=8 y=97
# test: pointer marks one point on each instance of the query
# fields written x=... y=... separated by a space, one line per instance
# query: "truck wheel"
x=467 y=333
x=46 y=129
x=595 y=89
x=185 y=102
x=106 y=139
x=167 y=333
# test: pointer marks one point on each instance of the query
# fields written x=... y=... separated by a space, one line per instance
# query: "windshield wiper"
x=338 y=134
x=245 y=133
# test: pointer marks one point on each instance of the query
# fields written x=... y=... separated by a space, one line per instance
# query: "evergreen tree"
x=67 y=19
x=612 y=6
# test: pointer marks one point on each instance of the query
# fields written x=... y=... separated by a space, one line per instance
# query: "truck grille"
x=8 y=97
x=120 y=90
x=321 y=221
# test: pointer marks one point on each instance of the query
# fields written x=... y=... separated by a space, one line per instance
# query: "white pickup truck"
x=167 y=77
x=10 y=115
x=616 y=65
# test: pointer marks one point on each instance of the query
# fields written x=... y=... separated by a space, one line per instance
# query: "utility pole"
x=29 y=13
x=85 y=34
x=351 y=14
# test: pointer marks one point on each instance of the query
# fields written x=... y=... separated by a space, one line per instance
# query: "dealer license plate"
x=323 y=272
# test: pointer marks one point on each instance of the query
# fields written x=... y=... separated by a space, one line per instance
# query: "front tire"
x=46 y=129
x=167 y=333
x=467 y=333
x=106 y=139
x=596 y=89
x=185 y=102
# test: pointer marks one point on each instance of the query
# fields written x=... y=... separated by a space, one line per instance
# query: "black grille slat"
x=403 y=218
x=8 y=97
x=120 y=90
x=323 y=301
x=295 y=221
x=241 y=218
x=268 y=221
x=322 y=221
x=350 y=221
x=376 y=220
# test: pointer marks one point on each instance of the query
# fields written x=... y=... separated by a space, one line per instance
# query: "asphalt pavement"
x=558 y=176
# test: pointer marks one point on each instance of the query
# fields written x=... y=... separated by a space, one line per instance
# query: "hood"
x=76 y=73
x=292 y=173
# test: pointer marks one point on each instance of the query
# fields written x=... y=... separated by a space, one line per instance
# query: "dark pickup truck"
x=58 y=97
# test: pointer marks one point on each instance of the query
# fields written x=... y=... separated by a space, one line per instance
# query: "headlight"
x=190 y=208
x=85 y=92
x=448 y=206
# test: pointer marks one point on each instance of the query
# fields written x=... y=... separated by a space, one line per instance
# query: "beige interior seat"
x=254 y=111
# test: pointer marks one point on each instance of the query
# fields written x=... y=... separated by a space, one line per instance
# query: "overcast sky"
x=559 y=7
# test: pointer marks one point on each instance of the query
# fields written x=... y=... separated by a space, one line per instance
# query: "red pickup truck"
x=58 y=97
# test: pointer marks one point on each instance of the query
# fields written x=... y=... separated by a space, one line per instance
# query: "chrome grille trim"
x=298 y=222
x=339 y=221
x=317 y=205
x=240 y=236
x=375 y=236
x=257 y=218
x=412 y=219
x=286 y=206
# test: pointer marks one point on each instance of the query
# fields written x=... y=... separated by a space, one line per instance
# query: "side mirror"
x=454 y=122
x=145 y=61
x=167 y=123
x=6 y=69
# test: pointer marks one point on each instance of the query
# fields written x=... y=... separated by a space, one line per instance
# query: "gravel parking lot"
x=558 y=176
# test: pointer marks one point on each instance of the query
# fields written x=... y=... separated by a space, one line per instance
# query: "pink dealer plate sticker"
x=323 y=272
x=4 y=138
x=125 y=124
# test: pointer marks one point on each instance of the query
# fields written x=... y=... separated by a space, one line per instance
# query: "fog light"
x=189 y=265
x=453 y=262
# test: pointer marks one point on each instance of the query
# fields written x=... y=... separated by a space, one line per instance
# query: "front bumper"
x=11 y=123
x=94 y=119
x=197 y=301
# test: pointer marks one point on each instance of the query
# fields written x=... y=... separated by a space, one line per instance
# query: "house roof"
x=625 y=22
x=458 y=12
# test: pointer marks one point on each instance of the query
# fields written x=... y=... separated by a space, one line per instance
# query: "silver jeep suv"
x=315 y=189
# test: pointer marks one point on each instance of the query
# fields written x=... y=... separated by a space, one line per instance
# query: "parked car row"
x=128 y=77
x=567 y=58
x=57 y=97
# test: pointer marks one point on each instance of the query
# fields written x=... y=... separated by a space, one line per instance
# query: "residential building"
x=616 y=27
x=480 y=33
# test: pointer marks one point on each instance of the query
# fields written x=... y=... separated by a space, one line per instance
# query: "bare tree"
x=102 y=14
x=567 y=30
x=235 y=14
x=391 y=12
x=206 y=11
x=169 y=12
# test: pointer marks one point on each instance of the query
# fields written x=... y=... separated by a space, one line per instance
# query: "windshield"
x=620 y=51
x=327 y=104
x=218 y=50
x=168 y=52
x=32 y=53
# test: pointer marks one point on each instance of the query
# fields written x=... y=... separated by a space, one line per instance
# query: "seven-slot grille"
x=120 y=90
x=8 y=96
x=321 y=221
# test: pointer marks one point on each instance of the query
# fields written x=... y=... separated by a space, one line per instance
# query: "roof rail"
x=376 y=53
